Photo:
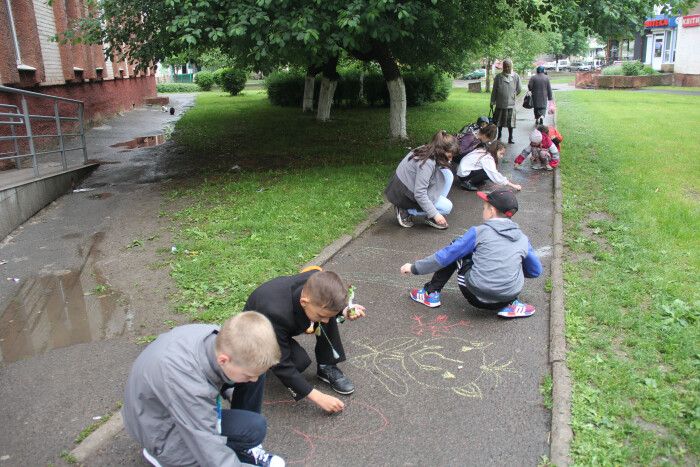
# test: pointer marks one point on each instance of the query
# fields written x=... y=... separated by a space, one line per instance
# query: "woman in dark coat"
x=541 y=91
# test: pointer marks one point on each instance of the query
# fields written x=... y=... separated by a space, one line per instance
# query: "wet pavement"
x=63 y=354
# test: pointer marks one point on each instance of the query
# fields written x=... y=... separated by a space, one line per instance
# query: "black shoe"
x=510 y=141
x=403 y=217
x=431 y=222
x=467 y=185
x=332 y=375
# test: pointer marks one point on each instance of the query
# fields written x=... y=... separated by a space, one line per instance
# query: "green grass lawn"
x=631 y=213
x=301 y=185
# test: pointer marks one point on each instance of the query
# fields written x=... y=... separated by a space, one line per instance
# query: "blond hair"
x=249 y=340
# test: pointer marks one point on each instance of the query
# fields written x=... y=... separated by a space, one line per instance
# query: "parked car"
x=549 y=65
x=573 y=66
x=476 y=74
x=585 y=67
x=563 y=63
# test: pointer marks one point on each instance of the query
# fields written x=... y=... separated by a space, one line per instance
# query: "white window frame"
x=15 y=42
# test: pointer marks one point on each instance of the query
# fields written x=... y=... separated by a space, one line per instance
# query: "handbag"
x=527 y=100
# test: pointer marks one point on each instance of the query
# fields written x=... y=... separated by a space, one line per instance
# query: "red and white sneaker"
x=517 y=310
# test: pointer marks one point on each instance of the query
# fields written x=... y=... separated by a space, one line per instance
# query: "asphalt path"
x=444 y=386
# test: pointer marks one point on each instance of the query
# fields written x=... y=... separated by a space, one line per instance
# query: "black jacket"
x=278 y=299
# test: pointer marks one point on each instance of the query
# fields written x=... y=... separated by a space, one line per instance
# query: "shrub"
x=204 y=80
x=233 y=80
x=422 y=87
x=167 y=88
x=632 y=68
x=285 y=88
x=648 y=70
x=217 y=76
x=614 y=70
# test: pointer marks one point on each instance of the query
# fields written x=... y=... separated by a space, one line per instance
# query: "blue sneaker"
x=431 y=300
x=517 y=310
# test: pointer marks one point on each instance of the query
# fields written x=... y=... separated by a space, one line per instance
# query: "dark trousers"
x=475 y=177
x=323 y=349
x=243 y=425
x=443 y=275
x=510 y=133
x=540 y=112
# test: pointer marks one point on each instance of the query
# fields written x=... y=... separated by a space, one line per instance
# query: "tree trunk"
x=328 y=85
x=397 y=108
x=489 y=64
x=397 y=91
x=325 y=99
x=308 y=102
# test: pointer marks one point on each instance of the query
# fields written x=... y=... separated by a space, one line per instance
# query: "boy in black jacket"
x=308 y=303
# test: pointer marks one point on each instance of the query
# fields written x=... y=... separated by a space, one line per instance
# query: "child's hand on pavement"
x=516 y=165
x=354 y=311
x=406 y=269
x=328 y=403
x=440 y=219
x=517 y=187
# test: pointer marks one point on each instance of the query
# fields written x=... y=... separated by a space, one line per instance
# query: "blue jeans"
x=443 y=205
x=243 y=425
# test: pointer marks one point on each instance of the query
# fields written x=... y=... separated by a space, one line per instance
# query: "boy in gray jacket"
x=492 y=261
x=172 y=400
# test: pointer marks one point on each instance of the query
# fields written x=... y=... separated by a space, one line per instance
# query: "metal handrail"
x=23 y=118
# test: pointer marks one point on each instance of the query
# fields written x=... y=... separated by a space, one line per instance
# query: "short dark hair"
x=327 y=290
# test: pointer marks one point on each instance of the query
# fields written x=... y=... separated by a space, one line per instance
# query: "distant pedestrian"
x=492 y=261
x=506 y=87
x=541 y=90
x=541 y=151
x=474 y=139
x=172 y=400
x=482 y=164
x=421 y=182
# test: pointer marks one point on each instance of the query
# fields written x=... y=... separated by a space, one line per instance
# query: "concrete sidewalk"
x=445 y=386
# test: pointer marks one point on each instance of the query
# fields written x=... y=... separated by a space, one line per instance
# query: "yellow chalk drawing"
x=447 y=363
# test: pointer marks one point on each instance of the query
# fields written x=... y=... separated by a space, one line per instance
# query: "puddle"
x=142 y=142
x=100 y=196
x=57 y=311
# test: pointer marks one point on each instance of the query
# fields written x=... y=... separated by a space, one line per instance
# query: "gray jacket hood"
x=505 y=228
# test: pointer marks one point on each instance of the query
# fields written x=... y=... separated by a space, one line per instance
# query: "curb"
x=94 y=441
x=562 y=434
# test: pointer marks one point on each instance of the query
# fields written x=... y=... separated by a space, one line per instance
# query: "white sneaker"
x=263 y=458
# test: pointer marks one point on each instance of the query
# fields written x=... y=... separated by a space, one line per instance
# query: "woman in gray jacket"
x=420 y=185
x=506 y=87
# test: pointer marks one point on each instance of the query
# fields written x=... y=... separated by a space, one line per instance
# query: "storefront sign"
x=689 y=21
x=661 y=21
x=656 y=23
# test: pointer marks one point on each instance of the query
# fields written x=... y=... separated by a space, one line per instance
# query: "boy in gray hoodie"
x=491 y=260
x=172 y=400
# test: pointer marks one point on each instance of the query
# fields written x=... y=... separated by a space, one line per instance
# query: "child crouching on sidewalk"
x=542 y=151
x=491 y=260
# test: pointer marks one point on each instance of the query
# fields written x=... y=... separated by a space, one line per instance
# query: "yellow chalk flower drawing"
x=447 y=363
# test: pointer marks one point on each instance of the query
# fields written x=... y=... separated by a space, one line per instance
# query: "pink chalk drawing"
x=437 y=327
x=348 y=425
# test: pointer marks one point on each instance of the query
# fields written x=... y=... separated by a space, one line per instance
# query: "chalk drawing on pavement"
x=436 y=327
x=445 y=363
x=358 y=420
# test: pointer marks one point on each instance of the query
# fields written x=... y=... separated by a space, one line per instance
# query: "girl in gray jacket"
x=420 y=185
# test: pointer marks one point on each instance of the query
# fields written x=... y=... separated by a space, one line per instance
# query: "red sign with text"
x=656 y=23
x=689 y=21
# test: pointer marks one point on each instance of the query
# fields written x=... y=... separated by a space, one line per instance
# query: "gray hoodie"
x=502 y=257
x=420 y=183
x=170 y=399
